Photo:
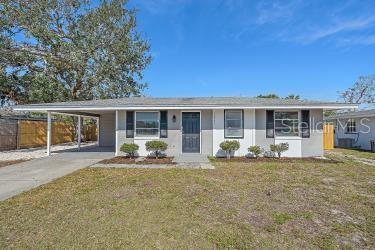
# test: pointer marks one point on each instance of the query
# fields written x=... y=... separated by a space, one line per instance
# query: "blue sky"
x=245 y=48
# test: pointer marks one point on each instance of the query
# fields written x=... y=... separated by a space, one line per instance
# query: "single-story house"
x=354 y=129
x=199 y=125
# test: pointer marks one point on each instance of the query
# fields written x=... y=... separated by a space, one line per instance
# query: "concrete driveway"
x=17 y=178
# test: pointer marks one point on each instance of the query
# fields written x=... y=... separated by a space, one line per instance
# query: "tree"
x=229 y=147
x=292 y=97
x=363 y=91
x=272 y=96
x=70 y=50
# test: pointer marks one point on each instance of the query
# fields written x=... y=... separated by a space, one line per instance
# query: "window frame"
x=146 y=136
x=242 y=124
x=347 y=127
x=298 y=123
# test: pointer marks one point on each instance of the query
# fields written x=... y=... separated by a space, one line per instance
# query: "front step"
x=191 y=158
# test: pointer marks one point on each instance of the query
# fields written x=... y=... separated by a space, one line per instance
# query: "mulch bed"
x=164 y=160
x=147 y=160
x=119 y=160
x=7 y=163
x=285 y=160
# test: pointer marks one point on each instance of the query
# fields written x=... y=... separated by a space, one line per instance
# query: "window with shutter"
x=270 y=124
x=163 y=124
x=130 y=124
x=305 y=126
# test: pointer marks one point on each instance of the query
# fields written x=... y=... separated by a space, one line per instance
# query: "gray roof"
x=184 y=101
x=353 y=114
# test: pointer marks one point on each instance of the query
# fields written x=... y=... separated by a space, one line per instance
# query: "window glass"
x=351 y=126
x=286 y=124
x=147 y=124
x=233 y=123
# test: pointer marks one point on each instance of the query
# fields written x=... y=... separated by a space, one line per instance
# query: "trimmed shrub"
x=255 y=150
x=130 y=149
x=229 y=147
x=157 y=147
x=279 y=148
x=269 y=154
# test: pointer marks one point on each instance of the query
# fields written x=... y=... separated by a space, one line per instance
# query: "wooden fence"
x=27 y=134
x=328 y=137
x=8 y=134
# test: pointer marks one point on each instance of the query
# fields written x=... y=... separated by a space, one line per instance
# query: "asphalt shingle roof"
x=185 y=101
x=353 y=114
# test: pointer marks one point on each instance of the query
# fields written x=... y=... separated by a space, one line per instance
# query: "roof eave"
x=332 y=106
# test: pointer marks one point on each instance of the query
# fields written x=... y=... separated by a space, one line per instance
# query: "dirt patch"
x=7 y=163
x=164 y=160
x=286 y=160
x=128 y=160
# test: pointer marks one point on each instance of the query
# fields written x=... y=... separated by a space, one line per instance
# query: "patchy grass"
x=356 y=153
x=237 y=205
x=7 y=163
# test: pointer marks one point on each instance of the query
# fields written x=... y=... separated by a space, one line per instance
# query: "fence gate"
x=8 y=134
x=328 y=136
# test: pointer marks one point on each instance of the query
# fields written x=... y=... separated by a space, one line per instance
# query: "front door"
x=191 y=128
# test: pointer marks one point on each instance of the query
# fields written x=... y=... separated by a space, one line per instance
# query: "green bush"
x=279 y=148
x=229 y=147
x=157 y=147
x=255 y=150
x=130 y=149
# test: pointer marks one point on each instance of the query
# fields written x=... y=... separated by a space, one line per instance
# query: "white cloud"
x=336 y=28
x=273 y=11
x=359 y=40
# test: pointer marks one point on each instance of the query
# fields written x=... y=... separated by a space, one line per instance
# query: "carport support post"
x=98 y=131
x=117 y=149
x=49 y=133
x=79 y=133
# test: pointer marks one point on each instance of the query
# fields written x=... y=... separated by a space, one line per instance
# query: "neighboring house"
x=199 y=125
x=354 y=129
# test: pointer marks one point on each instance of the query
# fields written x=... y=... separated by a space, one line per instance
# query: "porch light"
x=174 y=118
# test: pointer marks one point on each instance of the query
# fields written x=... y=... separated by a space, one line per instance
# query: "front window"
x=286 y=124
x=147 y=124
x=233 y=123
x=351 y=126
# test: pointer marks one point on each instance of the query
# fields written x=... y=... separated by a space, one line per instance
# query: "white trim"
x=213 y=132
x=242 y=112
x=146 y=137
x=195 y=108
x=200 y=129
x=287 y=137
x=253 y=134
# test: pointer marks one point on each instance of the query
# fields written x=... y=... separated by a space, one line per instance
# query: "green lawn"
x=238 y=205
x=356 y=153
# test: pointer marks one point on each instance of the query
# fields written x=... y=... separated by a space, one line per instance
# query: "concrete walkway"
x=24 y=176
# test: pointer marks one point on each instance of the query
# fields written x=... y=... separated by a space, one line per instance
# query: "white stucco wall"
x=212 y=125
x=218 y=132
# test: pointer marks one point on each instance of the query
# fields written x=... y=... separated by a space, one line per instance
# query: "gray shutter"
x=305 y=126
x=163 y=124
x=130 y=124
x=270 y=124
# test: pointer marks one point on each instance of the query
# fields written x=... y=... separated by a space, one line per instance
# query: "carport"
x=105 y=121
